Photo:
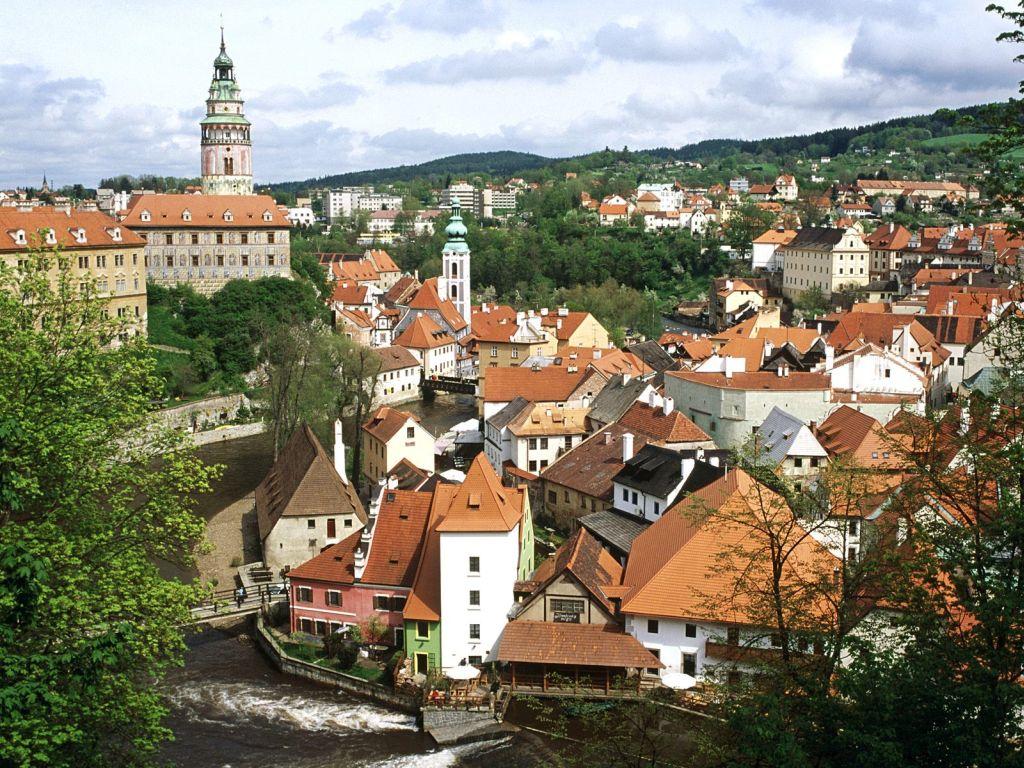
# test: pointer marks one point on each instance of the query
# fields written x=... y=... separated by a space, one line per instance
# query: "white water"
x=233 y=702
x=443 y=758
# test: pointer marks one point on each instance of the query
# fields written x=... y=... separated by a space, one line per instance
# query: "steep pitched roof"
x=570 y=322
x=382 y=260
x=506 y=415
x=481 y=503
x=583 y=557
x=615 y=398
x=782 y=434
x=335 y=564
x=653 y=355
x=349 y=292
x=303 y=483
x=427 y=298
x=816 y=238
x=676 y=427
x=423 y=333
x=424 y=603
x=675 y=566
x=385 y=422
x=849 y=432
x=549 y=421
x=775 y=237
x=398 y=538
x=402 y=291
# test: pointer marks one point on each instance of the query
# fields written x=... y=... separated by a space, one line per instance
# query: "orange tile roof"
x=870 y=307
x=796 y=381
x=801 y=338
x=427 y=297
x=335 y=564
x=851 y=433
x=749 y=350
x=651 y=421
x=423 y=333
x=385 y=422
x=383 y=261
x=99 y=229
x=207 y=212
x=349 y=292
x=424 y=603
x=398 y=538
x=596 y=645
x=482 y=504
x=591 y=465
x=884 y=239
x=545 y=385
x=359 y=270
x=776 y=236
x=570 y=322
x=975 y=301
x=590 y=563
x=620 y=361
x=613 y=209
x=356 y=317
x=677 y=567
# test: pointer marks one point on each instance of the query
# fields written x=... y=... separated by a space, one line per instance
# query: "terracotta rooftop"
x=570 y=322
x=775 y=236
x=967 y=300
x=795 y=382
x=427 y=298
x=590 y=467
x=100 y=229
x=303 y=483
x=482 y=503
x=547 y=420
x=596 y=645
x=423 y=333
x=335 y=564
x=205 y=212
x=402 y=291
x=395 y=358
x=676 y=427
x=545 y=385
x=398 y=538
x=383 y=260
x=850 y=433
x=350 y=292
x=385 y=422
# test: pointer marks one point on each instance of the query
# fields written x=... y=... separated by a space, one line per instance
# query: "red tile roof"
x=207 y=212
x=385 y=422
x=590 y=467
x=99 y=229
x=595 y=645
x=427 y=298
x=383 y=261
x=423 y=333
x=482 y=503
x=641 y=418
x=545 y=385
x=398 y=538
x=853 y=434
x=349 y=292
x=395 y=358
x=335 y=564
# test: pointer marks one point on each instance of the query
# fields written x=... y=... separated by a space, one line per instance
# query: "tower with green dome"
x=226 y=142
x=453 y=283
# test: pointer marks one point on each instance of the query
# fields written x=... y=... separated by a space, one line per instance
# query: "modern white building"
x=301 y=217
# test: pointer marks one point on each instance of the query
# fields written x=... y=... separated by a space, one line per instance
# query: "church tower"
x=226 y=145
x=454 y=281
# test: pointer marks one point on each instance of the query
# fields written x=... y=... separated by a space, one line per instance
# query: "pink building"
x=369 y=573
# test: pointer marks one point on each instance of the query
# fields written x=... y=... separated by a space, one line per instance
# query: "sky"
x=89 y=90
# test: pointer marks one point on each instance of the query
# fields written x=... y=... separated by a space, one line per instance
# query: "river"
x=229 y=707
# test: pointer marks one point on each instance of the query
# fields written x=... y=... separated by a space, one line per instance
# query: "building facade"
x=206 y=240
x=824 y=258
x=225 y=133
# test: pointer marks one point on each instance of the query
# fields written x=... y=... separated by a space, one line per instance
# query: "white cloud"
x=541 y=59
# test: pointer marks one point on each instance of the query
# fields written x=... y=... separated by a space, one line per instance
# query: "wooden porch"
x=576 y=680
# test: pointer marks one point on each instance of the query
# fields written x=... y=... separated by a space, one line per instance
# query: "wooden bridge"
x=459 y=384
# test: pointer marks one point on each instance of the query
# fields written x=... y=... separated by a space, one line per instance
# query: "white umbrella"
x=463 y=673
x=678 y=681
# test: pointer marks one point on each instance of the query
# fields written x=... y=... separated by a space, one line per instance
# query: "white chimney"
x=785 y=370
x=728 y=285
x=543 y=311
x=339 y=452
x=558 y=324
x=625 y=378
x=686 y=468
x=652 y=398
x=627 y=447
x=607 y=438
x=520 y=316
x=667 y=404
x=597 y=354
x=905 y=345
x=563 y=311
x=830 y=357
x=778 y=371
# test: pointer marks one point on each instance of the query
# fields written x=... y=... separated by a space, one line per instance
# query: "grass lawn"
x=955 y=142
x=314 y=655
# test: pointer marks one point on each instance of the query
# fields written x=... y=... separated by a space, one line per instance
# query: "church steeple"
x=454 y=281
x=226 y=141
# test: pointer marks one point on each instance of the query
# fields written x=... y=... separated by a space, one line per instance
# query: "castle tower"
x=226 y=144
x=454 y=281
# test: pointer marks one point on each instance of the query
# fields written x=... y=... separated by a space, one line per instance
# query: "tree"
x=812 y=303
x=93 y=493
x=745 y=223
x=360 y=366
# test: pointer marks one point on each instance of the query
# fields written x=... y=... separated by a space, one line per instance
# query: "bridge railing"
x=231 y=600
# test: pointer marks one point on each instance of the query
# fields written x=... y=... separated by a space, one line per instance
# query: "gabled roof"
x=427 y=298
x=570 y=322
x=402 y=290
x=816 y=238
x=350 y=292
x=395 y=358
x=775 y=237
x=506 y=415
x=423 y=333
x=782 y=434
x=676 y=567
x=676 y=427
x=385 y=422
x=545 y=420
x=356 y=318
x=654 y=469
x=590 y=564
x=615 y=398
x=620 y=361
x=967 y=300
x=653 y=355
x=303 y=483
x=481 y=503
x=854 y=434
x=335 y=564
x=99 y=229
x=399 y=535
x=382 y=260
x=597 y=645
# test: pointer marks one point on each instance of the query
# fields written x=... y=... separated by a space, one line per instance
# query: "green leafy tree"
x=93 y=493
x=812 y=303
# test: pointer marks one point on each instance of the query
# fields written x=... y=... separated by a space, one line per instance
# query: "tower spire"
x=222 y=33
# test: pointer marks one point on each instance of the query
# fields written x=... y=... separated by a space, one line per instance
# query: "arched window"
x=455 y=291
x=229 y=166
x=455 y=269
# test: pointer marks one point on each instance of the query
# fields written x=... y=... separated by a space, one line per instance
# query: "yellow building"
x=97 y=248
x=826 y=258
x=573 y=329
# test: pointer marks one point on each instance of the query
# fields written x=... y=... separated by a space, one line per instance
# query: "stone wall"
x=348 y=683
x=211 y=410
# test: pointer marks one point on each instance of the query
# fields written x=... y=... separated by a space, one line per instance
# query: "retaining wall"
x=233 y=432
x=348 y=683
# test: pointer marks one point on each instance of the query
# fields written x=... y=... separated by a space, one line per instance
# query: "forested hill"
x=504 y=163
x=836 y=141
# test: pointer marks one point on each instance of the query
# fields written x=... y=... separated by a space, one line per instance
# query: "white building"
x=462 y=191
x=391 y=436
x=540 y=434
x=378 y=201
x=301 y=217
x=399 y=378
x=344 y=202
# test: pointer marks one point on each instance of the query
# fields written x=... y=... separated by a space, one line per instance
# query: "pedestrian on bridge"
x=240 y=597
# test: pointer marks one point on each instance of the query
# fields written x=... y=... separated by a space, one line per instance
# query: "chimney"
x=785 y=371
x=949 y=307
x=339 y=452
x=558 y=324
x=520 y=316
x=970 y=278
x=728 y=370
x=667 y=404
x=905 y=345
x=627 y=447
x=597 y=354
x=625 y=378
x=563 y=311
x=728 y=285
x=819 y=329
x=891 y=227
x=830 y=357
x=652 y=398
x=607 y=438
x=686 y=467
x=483 y=307
x=778 y=371
x=543 y=311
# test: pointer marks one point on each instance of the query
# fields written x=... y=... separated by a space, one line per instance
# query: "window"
x=652 y=626
x=83 y=262
x=422 y=630
x=306 y=625
x=220 y=238
x=494 y=351
x=543 y=442
x=333 y=597
x=270 y=237
x=532 y=443
x=474 y=597
x=245 y=259
x=625 y=495
x=398 y=602
x=553 y=497
x=634 y=498
x=101 y=261
x=814 y=462
x=474 y=564
x=656 y=653
x=515 y=353
x=304 y=594
x=194 y=238
x=854 y=527
x=657 y=508
x=851 y=554
x=168 y=239
x=410 y=432
x=732 y=636
x=476 y=660
x=474 y=631
x=348 y=522
x=311 y=524
x=798 y=462
x=691 y=630
x=532 y=465
x=245 y=238
x=888 y=373
x=565 y=495
x=321 y=627
x=382 y=602
x=690 y=664
x=118 y=260
x=332 y=530
x=566 y=610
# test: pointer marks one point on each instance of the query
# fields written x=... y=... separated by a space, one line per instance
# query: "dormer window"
x=267 y=216
x=115 y=234
x=228 y=216
x=78 y=233
x=145 y=216
x=19 y=237
x=186 y=215
x=51 y=237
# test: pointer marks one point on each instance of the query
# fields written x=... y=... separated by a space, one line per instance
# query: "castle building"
x=226 y=142
x=454 y=281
